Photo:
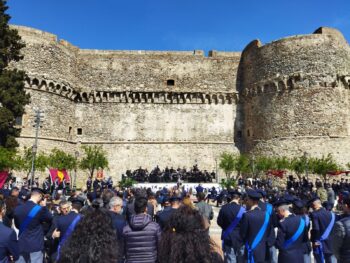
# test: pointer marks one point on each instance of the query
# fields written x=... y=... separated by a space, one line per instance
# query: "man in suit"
x=232 y=244
x=8 y=239
x=255 y=221
x=29 y=218
x=119 y=222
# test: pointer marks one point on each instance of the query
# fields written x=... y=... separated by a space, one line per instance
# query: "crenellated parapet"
x=295 y=81
x=158 y=97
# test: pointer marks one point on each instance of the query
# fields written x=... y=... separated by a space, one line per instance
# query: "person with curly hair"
x=185 y=239
x=93 y=240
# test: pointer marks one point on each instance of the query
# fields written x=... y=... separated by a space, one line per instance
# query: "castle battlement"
x=176 y=108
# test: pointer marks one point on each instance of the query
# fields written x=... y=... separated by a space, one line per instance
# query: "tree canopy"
x=94 y=158
x=12 y=94
x=62 y=160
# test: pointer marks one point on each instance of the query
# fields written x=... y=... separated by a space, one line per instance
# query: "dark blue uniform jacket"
x=227 y=215
x=286 y=229
x=8 y=243
x=252 y=222
x=32 y=239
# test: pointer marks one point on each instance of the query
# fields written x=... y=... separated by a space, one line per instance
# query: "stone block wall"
x=178 y=108
x=123 y=101
x=294 y=92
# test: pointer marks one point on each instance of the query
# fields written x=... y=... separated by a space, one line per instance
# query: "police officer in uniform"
x=230 y=219
x=322 y=225
x=291 y=235
x=263 y=204
x=255 y=221
x=29 y=218
x=299 y=208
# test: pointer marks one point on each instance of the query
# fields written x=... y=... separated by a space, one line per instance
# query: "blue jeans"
x=34 y=257
x=233 y=255
x=328 y=258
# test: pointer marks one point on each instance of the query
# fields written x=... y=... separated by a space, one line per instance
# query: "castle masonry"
x=149 y=108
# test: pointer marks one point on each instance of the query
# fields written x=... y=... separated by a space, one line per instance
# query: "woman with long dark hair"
x=93 y=239
x=185 y=239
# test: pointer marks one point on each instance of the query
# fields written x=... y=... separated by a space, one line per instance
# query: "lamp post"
x=75 y=170
x=38 y=118
x=306 y=166
x=216 y=170
x=253 y=165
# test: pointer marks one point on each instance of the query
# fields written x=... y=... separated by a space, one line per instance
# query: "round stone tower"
x=294 y=95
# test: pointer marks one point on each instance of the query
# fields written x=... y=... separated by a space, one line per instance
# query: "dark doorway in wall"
x=79 y=131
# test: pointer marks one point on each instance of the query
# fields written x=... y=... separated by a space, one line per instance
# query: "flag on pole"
x=60 y=174
x=3 y=177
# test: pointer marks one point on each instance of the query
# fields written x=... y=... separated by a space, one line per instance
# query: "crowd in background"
x=107 y=224
x=166 y=175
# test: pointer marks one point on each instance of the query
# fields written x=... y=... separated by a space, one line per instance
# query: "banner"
x=100 y=175
x=60 y=174
x=3 y=177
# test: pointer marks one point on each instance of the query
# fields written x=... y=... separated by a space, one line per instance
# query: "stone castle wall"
x=179 y=108
x=122 y=100
x=295 y=95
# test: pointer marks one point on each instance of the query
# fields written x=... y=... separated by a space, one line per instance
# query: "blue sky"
x=227 y=25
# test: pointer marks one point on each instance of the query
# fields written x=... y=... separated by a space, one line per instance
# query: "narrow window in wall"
x=79 y=131
x=170 y=82
x=248 y=133
x=70 y=131
x=19 y=121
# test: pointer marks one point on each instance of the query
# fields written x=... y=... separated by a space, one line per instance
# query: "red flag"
x=3 y=177
x=60 y=174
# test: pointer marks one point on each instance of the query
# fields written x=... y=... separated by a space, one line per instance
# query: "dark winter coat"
x=141 y=239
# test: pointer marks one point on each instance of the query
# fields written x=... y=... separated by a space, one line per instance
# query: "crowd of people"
x=194 y=175
x=109 y=224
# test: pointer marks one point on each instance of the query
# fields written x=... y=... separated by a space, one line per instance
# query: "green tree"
x=299 y=165
x=61 y=160
x=12 y=94
x=242 y=164
x=281 y=163
x=24 y=162
x=228 y=184
x=323 y=165
x=126 y=183
x=8 y=159
x=227 y=163
x=95 y=158
x=263 y=164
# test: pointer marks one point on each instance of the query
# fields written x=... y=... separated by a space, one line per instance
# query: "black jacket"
x=340 y=239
